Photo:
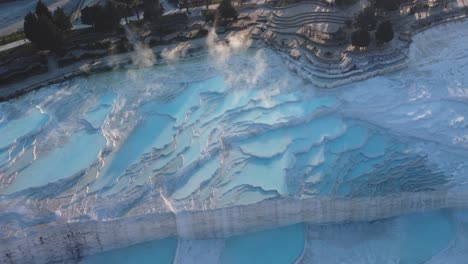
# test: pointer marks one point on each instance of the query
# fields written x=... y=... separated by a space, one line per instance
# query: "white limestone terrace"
x=227 y=144
x=314 y=39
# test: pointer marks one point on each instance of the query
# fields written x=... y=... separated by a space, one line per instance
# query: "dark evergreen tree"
x=207 y=4
x=344 y=2
x=62 y=20
x=108 y=17
x=89 y=14
x=226 y=10
x=127 y=8
x=42 y=10
x=387 y=5
x=50 y=36
x=384 y=32
x=41 y=30
x=360 y=38
x=30 y=22
x=186 y=5
x=152 y=9
x=102 y=18
x=366 y=19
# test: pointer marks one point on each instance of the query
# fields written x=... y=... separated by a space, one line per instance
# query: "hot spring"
x=213 y=133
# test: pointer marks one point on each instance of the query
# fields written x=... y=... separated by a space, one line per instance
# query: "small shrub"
x=360 y=38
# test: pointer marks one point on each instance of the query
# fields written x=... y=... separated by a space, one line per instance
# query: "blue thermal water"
x=20 y=127
x=414 y=239
x=97 y=115
x=154 y=131
x=269 y=174
x=424 y=235
x=375 y=146
x=4 y=157
x=202 y=136
x=202 y=174
x=277 y=246
x=215 y=136
x=77 y=154
x=354 y=138
x=160 y=252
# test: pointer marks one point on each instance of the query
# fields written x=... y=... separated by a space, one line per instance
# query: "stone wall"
x=62 y=240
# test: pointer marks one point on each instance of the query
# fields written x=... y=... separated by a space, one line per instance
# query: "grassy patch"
x=201 y=3
x=11 y=38
x=282 y=3
x=20 y=51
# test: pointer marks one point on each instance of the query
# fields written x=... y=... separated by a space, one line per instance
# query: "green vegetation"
x=384 y=32
x=61 y=19
x=42 y=10
x=360 y=38
x=281 y=3
x=226 y=10
x=205 y=3
x=102 y=18
x=343 y=3
x=386 y=5
x=152 y=9
x=364 y=22
x=128 y=6
x=11 y=38
x=209 y=15
x=25 y=50
x=366 y=19
x=44 y=29
x=89 y=14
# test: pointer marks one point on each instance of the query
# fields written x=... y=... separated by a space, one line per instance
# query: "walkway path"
x=13 y=44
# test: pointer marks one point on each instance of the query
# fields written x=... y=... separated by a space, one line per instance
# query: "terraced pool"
x=206 y=134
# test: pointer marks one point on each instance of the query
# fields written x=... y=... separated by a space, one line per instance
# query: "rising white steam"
x=142 y=56
x=173 y=54
x=222 y=50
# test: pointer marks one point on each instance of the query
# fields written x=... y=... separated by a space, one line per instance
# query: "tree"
x=30 y=22
x=207 y=4
x=108 y=17
x=50 y=35
x=366 y=19
x=384 y=32
x=226 y=10
x=137 y=10
x=152 y=9
x=42 y=10
x=186 y=4
x=344 y=2
x=386 y=5
x=102 y=18
x=360 y=38
x=89 y=14
x=62 y=20
x=128 y=5
x=41 y=30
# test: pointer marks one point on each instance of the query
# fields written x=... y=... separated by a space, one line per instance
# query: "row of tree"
x=366 y=22
x=108 y=17
x=380 y=5
x=102 y=17
x=45 y=29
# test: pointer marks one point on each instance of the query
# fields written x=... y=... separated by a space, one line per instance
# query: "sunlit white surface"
x=216 y=132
